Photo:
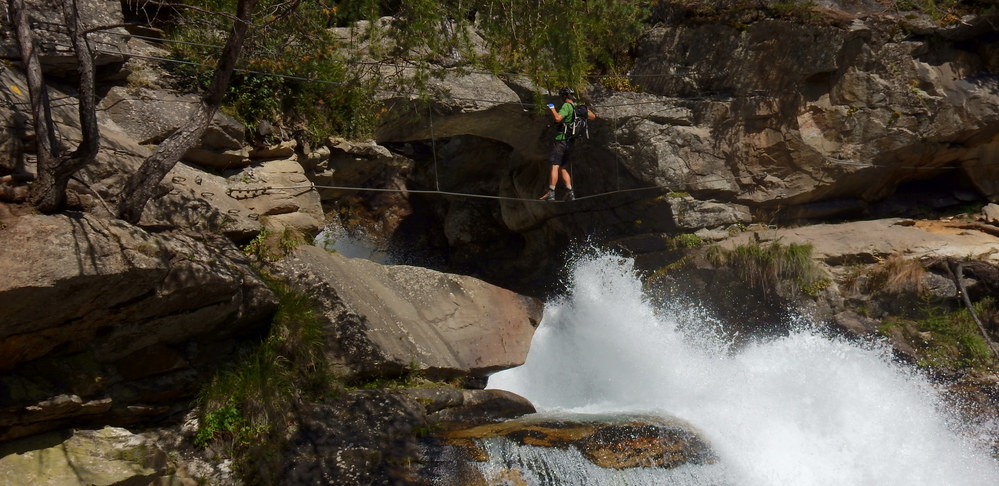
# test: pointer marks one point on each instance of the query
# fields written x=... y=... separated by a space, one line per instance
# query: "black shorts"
x=560 y=153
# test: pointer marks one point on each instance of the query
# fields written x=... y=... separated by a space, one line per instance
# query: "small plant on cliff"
x=802 y=11
x=269 y=246
x=259 y=248
x=619 y=83
x=687 y=240
x=247 y=409
x=943 y=11
x=768 y=267
x=944 y=338
x=895 y=274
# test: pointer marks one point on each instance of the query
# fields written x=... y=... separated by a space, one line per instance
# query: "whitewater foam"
x=800 y=409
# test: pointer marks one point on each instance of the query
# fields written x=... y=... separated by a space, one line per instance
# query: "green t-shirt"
x=568 y=110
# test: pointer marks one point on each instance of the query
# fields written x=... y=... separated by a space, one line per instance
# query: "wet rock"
x=382 y=436
x=450 y=406
x=615 y=442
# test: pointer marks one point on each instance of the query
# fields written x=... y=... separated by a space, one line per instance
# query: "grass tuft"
x=245 y=409
x=768 y=267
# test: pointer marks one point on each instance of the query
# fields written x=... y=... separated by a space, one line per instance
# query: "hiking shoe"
x=549 y=196
x=569 y=196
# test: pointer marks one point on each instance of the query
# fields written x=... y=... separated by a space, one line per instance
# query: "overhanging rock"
x=385 y=320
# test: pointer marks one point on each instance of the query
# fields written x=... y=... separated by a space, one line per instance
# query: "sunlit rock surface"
x=107 y=456
x=385 y=319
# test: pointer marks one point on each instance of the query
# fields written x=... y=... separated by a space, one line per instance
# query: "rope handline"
x=437 y=192
x=614 y=121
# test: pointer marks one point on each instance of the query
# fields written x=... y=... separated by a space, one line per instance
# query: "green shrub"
x=295 y=73
x=246 y=408
x=687 y=240
x=949 y=338
x=269 y=246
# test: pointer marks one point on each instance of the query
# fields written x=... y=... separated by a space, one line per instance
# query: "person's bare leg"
x=569 y=194
x=565 y=178
x=552 y=181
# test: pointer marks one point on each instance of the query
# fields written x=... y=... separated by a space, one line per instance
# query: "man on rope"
x=559 y=157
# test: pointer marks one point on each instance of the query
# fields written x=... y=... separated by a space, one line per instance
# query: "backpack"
x=577 y=127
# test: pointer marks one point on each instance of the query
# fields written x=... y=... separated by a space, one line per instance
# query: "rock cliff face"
x=802 y=114
x=109 y=323
x=106 y=323
x=775 y=121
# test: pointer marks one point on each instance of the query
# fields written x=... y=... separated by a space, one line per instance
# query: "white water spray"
x=800 y=410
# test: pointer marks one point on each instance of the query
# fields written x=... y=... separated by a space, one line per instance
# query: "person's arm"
x=557 y=115
x=590 y=115
x=564 y=112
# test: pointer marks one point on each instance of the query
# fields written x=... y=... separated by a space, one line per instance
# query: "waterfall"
x=800 y=409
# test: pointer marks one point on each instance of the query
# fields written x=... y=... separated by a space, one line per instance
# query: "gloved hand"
x=551 y=105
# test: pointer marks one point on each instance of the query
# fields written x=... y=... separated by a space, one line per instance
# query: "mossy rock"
x=108 y=456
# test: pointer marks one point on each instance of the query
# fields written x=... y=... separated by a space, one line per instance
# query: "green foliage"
x=289 y=240
x=767 y=267
x=946 y=339
x=246 y=408
x=293 y=70
x=619 y=83
x=254 y=97
x=296 y=73
x=227 y=423
x=687 y=240
x=269 y=246
x=946 y=11
x=258 y=247
x=716 y=255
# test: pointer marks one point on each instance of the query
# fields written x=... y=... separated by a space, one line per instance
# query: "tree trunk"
x=45 y=142
x=54 y=169
x=87 y=151
x=141 y=186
